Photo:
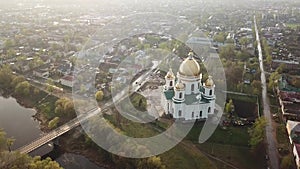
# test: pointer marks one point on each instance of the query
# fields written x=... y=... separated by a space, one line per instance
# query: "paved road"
x=270 y=138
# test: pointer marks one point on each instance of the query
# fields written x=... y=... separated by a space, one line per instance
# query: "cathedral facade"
x=184 y=96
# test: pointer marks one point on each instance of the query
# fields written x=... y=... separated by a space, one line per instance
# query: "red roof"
x=289 y=96
x=68 y=77
x=298 y=149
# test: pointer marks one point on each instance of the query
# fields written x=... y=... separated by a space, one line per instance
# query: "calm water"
x=74 y=161
x=17 y=122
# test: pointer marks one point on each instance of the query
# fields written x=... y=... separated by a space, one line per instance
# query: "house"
x=289 y=99
x=293 y=129
x=42 y=71
x=65 y=68
x=296 y=153
x=67 y=80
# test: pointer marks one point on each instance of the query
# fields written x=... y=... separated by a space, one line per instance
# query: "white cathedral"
x=185 y=97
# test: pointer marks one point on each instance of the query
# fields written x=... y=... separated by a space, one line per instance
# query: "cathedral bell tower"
x=209 y=88
x=170 y=80
x=179 y=92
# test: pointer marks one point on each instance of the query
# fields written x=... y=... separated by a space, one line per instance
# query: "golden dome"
x=209 y=82
x=170 y=74
x=189 y=67
x=179 y=86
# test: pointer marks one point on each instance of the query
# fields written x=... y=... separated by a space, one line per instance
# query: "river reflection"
x=17 y=122
x=74 y=161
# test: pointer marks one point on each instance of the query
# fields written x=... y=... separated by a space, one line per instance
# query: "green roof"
x=169 y=94
x=285 y=86
x=189 y=99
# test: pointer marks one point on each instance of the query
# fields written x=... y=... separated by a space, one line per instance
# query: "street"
x=270 y=138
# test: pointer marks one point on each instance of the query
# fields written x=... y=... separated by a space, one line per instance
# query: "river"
x=18 y=123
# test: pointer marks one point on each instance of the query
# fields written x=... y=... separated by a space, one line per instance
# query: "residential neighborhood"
x=71 y=72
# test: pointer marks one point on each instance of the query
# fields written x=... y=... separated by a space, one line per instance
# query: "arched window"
x=210 y=92
x=193 y=87
x=201 y=113
x=171 y=83
x=180 y=95
x=179 y=113
x=192 y=114
x=209 y=109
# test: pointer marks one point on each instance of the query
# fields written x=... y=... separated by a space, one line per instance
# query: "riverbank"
x=68 y=143
x=74 y=142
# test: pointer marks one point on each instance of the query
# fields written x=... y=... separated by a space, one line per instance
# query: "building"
x=289 y=99
x=42 y=71
x=185 y=97
x=293 y=130
x=67 y=80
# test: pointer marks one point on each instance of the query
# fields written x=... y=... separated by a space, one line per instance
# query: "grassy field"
x=239 y=156
x=230 y=145
x=293 y=25
x=242 y=98
x=177 y=158
x=181 y=157
x=231 y=136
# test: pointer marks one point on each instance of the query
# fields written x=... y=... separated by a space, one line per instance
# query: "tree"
x=23 y=88
x=220 y=37
x=36 y=91
x=53 y=123
x=296 y=82
x=244 y=41
x=16 y=160
x=9 y=43
x=269 y=59
x=6 y=77
x=243 y=55
x=287 y=162
x=9 y=143
x=150 y=163
x=273 y=79
x=257 y=132
x=229 y=107
x=256 y=85
x=99 y=95
x=82 y=88
x=50 y=86
x=64 y=106
x=16 y=80
x=227 y=52
x=281 y=68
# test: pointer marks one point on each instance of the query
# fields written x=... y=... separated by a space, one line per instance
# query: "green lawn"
x=242 y=157
x=231 y=136
x=293 y=25
x=230 y=145
x=182 y=158
x=242 y=98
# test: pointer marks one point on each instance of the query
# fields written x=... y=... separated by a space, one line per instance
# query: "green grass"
x=139 y=101
x=131 y=129
x=242 y=157
x=230 y=136
x=251 y=99
x=281 y=134
x=179 y=157
x=282 y=139
x=230 y=145
x=293 y=25
x=183 y=158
